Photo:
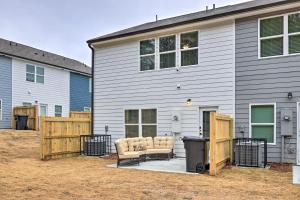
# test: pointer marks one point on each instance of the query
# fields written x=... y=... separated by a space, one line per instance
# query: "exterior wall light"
x=189 y=102
x=290 y=95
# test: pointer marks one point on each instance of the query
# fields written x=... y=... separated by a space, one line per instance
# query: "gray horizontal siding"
x=264 y=81
x=6 y=91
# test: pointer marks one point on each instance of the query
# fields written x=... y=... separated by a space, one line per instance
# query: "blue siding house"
x=30 y=76
x=80 y=92
x=5 y=91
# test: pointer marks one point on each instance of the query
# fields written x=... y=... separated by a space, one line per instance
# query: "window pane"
x=58 y=109
x=30 y=77
x=30 y=69
x=149 y=130
x=131 y=116
x=167 y=43
x=27 y=104
x=266 y=132
x=262 y=114
x=40 y=79
x=147 y=63
x=294 y=23
x=271 y=27
x=149 y=116
x=147 y=47
x=294 y=44
x=40 y=71
x=131 y=131
x=272 y=47
x=189 y=57
x=189 y=40
x=167 y=60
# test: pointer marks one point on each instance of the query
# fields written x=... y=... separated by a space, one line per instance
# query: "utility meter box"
x=176 y=121
x=286 y=120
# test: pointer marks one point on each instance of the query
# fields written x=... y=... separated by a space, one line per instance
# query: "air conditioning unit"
x=95 y=148
x=247 y=154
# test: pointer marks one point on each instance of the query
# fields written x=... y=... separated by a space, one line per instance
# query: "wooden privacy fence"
x=60 y=137
x=80 y=115
x=221 y=128
x=33 y=116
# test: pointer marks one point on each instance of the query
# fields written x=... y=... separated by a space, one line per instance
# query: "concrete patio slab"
x=176 y=165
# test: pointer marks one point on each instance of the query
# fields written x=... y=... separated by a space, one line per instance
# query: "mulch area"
x=282 y=167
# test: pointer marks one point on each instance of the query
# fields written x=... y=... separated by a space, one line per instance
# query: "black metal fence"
x=95 y=145
x=250 y=152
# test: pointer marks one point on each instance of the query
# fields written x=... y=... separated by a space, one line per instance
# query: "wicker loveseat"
x=137 y=149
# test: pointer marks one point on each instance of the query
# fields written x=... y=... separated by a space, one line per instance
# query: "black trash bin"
x=196 y=153
x=21 y=122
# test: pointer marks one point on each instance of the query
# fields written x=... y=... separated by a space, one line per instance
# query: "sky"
x=64 y=26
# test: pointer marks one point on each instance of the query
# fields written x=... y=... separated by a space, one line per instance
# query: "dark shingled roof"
x=17 y=50
x=191 y=18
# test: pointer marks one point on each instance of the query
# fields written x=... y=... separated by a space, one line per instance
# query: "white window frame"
x=177 y=51
x=35 y=74
x=146 y=55
x=188 y=49
x=61 y=114
x=140 y=124
x=263 y=124
x=27 y=104
x=167 y=52
x=1 y=109
x=285 y=36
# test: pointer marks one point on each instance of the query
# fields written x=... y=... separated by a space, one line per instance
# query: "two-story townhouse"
x=165 y=77
x=30 y=76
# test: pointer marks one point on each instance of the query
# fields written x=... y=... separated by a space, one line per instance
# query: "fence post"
x=231 y=140
x=36 y=117
x=212 y=156
x=42 y=123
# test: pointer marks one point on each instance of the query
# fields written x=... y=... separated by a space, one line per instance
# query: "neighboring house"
x=191 y=65
x=31 y=76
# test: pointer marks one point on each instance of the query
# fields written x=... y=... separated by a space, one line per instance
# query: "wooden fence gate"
x=33 y=116
x=221 y=131
x=60 y=137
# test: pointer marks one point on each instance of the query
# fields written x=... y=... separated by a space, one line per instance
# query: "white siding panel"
x=120 y=85
x=54 y=91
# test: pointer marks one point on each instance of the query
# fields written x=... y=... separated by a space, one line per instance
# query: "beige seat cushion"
x=129 y=155
x=134 y=142
x=158 y=151
x=122 y=146
x=166 y=142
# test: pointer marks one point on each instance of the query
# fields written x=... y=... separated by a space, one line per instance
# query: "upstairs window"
x=294 y=33
x=167 y=52
x=34 y=74
x=189 y=48
x=147 y=55
x=271 y=36
x=279 y=35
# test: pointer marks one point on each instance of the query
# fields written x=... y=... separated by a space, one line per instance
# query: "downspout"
x=92 y=96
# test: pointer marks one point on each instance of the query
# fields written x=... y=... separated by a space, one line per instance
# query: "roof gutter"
x=53 y=65
x=92 y=96
x=191 y=21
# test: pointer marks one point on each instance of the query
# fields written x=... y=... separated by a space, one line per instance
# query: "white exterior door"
x=204 y=125
x=43 y=110
x=298 y=133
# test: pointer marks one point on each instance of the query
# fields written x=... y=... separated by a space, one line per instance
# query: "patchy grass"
x=24 y=176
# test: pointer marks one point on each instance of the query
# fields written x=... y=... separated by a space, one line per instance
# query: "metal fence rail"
x=250 y=152
x=95 y=145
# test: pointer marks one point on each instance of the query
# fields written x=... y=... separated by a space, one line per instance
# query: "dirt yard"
x=24 y=176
